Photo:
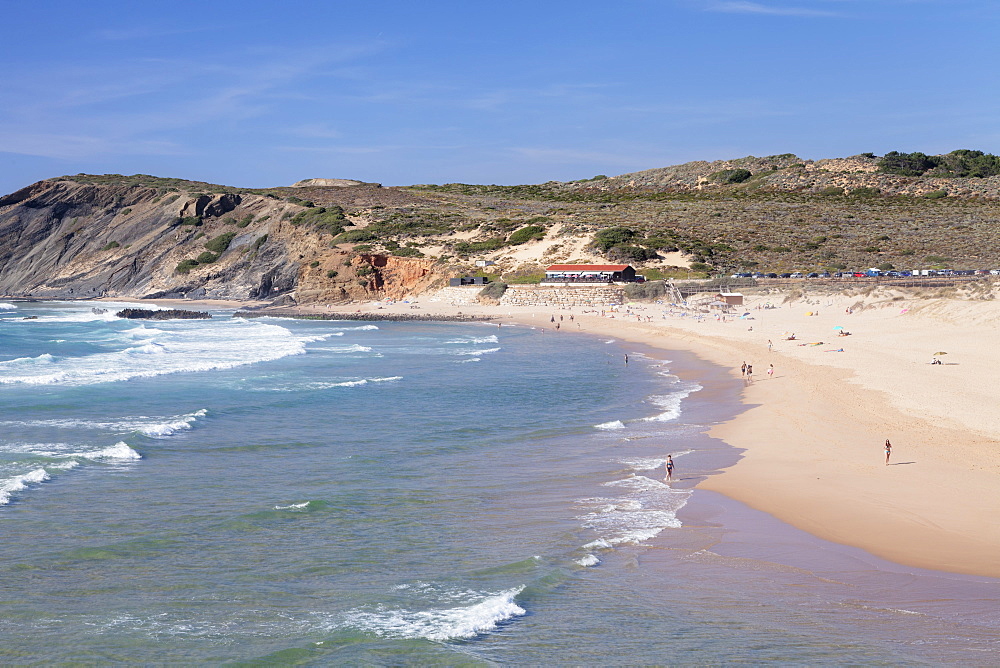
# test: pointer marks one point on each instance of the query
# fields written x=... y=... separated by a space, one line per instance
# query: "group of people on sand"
x=746 y=371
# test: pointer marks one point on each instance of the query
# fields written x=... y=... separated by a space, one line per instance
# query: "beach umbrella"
x=838 y=327
x=941 y=353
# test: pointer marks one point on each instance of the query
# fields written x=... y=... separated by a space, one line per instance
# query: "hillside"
x=337 y=240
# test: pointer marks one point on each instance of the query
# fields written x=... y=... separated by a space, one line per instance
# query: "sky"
x=260 y=94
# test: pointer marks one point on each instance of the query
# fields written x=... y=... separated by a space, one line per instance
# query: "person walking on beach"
x=769 y=345
x=743 y=369
x=888 y=451
x=749 y=373
x=770 y=371
x=670 y=468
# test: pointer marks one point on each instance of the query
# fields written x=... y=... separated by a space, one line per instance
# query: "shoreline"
x=811 y=437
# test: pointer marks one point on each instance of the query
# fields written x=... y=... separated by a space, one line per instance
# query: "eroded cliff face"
x=67 y=239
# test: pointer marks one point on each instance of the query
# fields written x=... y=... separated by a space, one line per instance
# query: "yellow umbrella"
x=941 y=353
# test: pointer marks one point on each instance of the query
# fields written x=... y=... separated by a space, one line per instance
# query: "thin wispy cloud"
x=746 y=7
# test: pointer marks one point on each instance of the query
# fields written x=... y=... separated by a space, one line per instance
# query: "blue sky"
x=258 y=94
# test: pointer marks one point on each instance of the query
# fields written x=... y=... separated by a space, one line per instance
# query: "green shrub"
x=194 y=221
x=831 y=191
x=469 y=247
x=126 y=211
x=936 y=194
x=184 y=266
x=332 y=273
x=731 y=176
x=493 y=290
x=260 y=241
x=865 y=192
x=208 y=257
x=626 y=253
x=659 y=243
x=409 y=251
x=647 y=290
x=364 y=270
x=328 y=219
x=525 y=278
x=355 y=236
x=363 y=248
x=220 y=243
x=526 y=234
x=245 y=220
x=314 y=264
x=960 y=163
x=613 y=236
x=110 y=245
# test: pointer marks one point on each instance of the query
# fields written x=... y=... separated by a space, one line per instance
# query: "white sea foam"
x=467 y=621
x=64 y=466
x=119 y=450
x=364 y=381
x=469 y=359
x=7 y=306
x=155 y=427
x=644 y=463
x=475 y=339
x=476 y=353
x=175 y=348
x=361 y=328
x=589 y=560
x=671 y=403
x=19 y=483
x=352 y=348
x=645 y=508
x=615 y=424
x=294 y=506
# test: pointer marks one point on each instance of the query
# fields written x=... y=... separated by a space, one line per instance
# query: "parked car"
x=785 y=275
x=812 y=274
x=824 y=274
x=797 y=274
x=775 y=275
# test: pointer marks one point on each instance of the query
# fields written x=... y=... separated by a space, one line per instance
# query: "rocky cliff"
x=147 y=238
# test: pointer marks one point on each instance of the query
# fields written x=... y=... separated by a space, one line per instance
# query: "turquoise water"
x=304 y=492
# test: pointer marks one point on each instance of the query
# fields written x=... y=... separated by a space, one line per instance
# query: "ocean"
x=294 y=492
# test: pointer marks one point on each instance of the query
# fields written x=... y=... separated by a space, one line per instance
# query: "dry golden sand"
x=812 y=437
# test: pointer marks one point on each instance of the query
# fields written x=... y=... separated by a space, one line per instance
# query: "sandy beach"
x=812 y=436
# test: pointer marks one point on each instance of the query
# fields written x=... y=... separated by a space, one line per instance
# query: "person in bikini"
x=670 y=468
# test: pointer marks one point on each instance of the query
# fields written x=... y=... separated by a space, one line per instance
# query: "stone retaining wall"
x=455 y=295
x=557 y=295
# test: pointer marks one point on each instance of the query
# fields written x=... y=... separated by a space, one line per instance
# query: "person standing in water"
x=888 y=451
x=670 y=468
